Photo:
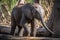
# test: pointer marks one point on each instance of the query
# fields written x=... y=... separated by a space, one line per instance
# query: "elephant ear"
x=34 y=11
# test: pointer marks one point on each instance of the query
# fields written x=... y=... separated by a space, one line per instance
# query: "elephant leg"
x=22 y=23
x=32 y=28
x=19 y=30
x=13 y=25
x=25 y=32
x=13 y=29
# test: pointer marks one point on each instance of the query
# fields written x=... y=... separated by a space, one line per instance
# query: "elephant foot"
x=16 y=34
x=11 y=34
x=31 y=34
x=25 y=33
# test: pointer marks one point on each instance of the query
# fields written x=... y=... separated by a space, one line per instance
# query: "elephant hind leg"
x=13 y=27
x=22 y=23
x=19 y=30
x=25 y=33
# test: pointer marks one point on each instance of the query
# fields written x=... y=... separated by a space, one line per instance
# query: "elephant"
x=26 y=14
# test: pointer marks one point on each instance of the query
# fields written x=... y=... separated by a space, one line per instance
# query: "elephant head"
x=38 y=11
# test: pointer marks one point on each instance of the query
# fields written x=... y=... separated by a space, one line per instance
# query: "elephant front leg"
x=32 y=28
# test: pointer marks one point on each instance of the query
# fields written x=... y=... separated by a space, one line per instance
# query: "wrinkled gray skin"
x=25 y=14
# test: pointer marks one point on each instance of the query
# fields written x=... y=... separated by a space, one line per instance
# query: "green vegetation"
x=6 y=7
x=29 y=1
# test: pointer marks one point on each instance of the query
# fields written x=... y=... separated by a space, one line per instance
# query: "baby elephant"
x=25 y=14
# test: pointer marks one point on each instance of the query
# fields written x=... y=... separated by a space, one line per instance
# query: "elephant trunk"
x=44 y=25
